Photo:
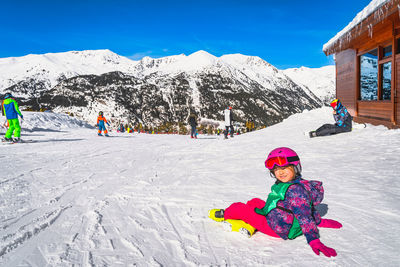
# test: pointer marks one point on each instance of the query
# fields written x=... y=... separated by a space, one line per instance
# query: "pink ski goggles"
x=280 y=161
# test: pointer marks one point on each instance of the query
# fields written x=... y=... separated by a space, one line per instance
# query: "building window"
x=376 y=74
x=398 y=46
x=386 y=80
x=369 y=75
x=387 y=51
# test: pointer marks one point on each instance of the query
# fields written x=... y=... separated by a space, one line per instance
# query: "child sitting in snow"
x=290 y=208
x=101 y=120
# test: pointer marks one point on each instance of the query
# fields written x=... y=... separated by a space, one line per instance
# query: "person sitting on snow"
x=290 y=207
x=11 y=111
x=101 y=120
x=343 y=121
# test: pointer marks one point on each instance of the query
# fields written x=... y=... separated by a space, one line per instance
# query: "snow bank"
x=35 y=121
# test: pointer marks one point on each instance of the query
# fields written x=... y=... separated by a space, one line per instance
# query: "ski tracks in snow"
x=143 y=200
x=97 y=204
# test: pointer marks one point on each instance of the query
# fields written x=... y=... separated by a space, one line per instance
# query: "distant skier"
x=101 y=120
x=121 y=128
x=290 y=208
x=250 y=125
x=228 y=122
x=193 y=124
x=11 y=111
x=343 y=121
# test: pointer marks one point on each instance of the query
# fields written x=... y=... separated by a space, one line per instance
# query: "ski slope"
x=75 y=199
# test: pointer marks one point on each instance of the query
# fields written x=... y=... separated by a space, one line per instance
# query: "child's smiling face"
x=284 y=174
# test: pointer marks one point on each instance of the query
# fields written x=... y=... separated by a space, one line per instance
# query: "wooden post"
x=357 y=93
x=394 y=76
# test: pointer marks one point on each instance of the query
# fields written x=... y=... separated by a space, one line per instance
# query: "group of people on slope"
x=127 y=128
x=343 y=122
x=228 y=120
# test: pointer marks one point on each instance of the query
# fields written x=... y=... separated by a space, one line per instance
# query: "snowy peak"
x=51 y=67
x=148 y=65
x=176 y=64
x=202 y=58
x=254 y=64
x=245 y=60
x=321 y=81
x=244 y=68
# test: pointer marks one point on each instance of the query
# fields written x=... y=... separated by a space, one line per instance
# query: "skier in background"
x=101 y=120
x=193 y=124
x=249 y=125
x=11 y=111
x=228 y=122
x=252 y=125
x=121 y=128
x=290 y=207
x=343 y=121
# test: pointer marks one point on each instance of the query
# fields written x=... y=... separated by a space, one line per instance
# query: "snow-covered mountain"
x=51 y=68
x=320 y=81
x=156 y=90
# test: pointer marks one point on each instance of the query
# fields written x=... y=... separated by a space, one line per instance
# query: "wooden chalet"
x=367 y=57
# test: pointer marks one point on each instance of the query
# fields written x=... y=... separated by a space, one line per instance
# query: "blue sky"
x=285 y=33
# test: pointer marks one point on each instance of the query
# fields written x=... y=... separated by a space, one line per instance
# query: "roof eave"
x=345 y=40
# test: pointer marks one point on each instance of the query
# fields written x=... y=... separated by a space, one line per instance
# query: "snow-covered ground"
x=75 y=199
x=49 y=121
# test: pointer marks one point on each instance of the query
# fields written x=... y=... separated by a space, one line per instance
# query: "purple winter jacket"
x=297 y=203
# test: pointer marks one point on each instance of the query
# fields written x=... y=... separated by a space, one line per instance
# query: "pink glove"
x=327 y=223
x=317 y=246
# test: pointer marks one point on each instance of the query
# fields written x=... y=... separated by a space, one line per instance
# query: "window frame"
x=381 y=60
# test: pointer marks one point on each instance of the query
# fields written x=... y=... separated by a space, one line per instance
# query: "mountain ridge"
x=181 y=84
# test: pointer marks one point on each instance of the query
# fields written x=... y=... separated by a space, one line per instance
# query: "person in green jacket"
x=11 y=111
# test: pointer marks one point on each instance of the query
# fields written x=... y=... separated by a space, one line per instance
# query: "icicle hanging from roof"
x=378 y=8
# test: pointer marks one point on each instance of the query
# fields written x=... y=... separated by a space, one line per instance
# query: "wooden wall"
x=375 y=112
x=381 y=110
x=383 y=33
x=346 y=71
x=397 y=90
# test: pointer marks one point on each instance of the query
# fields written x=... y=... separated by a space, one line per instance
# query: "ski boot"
x=216 y=215
x=106 y=135
x=6 y=139
x=99 y=134
x=239 y=226
x=313 y=134
x=17 y=140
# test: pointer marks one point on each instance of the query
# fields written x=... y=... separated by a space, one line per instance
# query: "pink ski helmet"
x=283 y=156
